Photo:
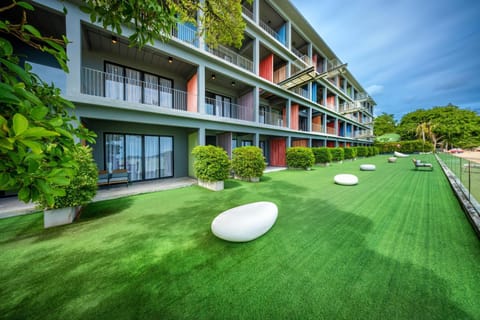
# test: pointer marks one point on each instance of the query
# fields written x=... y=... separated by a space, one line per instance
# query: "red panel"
x=331 y=144
x=300 y=143
x=284 y=116
x=266 y=68
x=278 y=147
x=294 y=110
x=192 y=94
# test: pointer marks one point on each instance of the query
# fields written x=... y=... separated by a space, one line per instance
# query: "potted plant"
x=300 y=157
x=248 y=163
x=80 y=191
x=211 y=166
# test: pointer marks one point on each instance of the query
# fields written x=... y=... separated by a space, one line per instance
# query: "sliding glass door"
x=144 y=157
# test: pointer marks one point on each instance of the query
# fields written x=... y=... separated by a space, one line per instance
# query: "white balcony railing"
x=186 y=33
x=247 y=12
x=102 y=84
x=232 y=57
x=225 y=109
x=271 y=118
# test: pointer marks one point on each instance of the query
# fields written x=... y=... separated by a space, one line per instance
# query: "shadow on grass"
x=105 y=208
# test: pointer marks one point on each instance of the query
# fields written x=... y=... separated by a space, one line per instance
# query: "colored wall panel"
x=266 y=68
x=278 y=147
x=192 y=94
x=300 y=143
x=294 y=110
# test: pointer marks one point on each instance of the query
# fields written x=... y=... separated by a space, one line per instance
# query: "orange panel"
x=266 y=68
x=294 y=110
x=331 y=144
x=192 y=94
x=278 y=147
x=300 y=143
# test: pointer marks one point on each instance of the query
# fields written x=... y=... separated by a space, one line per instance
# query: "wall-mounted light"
x=213 y=76
x=233 y=83
x=170 y=59
x=114 y=40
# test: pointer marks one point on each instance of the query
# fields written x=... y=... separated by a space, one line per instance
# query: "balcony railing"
x=102 y=84
x=331 y=130
x=247 y=12
x=271 y=118
x=363 y=134
x=272 y=32
x=232 y=57
x=361 y=96
x=316 y=127
x=225 y=109
x=186 y=34
x=301 y=92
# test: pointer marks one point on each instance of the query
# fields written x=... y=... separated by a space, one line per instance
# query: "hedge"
x=337 y=154
x=248 y=162
x=350 y=153
x=408 y=146
x=300 y=157
x=322 y=154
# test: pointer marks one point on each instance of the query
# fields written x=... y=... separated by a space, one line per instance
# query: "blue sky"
x=408 y=54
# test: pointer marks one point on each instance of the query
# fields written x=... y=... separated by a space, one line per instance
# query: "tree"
x=220 y=21
x=384 y=123
x=448 y=125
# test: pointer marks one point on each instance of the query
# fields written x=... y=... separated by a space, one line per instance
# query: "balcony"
x=186 y=33
x=102 y=84
x=247 y=12
x=229 y=110
x=363 y=134
x=232 y=57
x=316 y=127
x=273 y=33
x=271 y=118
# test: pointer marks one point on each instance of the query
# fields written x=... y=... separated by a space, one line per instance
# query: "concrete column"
x=289 y=142
x=309 y=127
x=256 y=104
x=256 y=139
x=201 y=40
x=288 y=35
x=74 y=50
x=256 y=56
x=309 y=142
x=256 y=10
x=201 y=88
x=324 y=123
x=201 y=136
x=289 y=110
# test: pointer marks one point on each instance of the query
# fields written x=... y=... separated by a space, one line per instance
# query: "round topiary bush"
x=350 y=153
x=300 y=157
x=211 y=163
x=248 y=162
x=83 y=187
x=337 y=154
x=322 y=155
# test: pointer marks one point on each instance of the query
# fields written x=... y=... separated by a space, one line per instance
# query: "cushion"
x=368 y=167
x=346 y=179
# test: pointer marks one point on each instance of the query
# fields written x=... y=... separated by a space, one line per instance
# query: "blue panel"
x=314 y=92
x=282 y=34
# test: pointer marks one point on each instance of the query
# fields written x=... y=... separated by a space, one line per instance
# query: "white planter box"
x=58 y=217
x=214 y=185
x=251 y=179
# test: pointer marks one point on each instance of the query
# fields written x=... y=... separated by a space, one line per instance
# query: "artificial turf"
x=396 y=246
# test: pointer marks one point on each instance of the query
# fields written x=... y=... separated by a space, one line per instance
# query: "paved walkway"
x=10 y=206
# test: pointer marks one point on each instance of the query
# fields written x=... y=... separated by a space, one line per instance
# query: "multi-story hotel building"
x=149 y=107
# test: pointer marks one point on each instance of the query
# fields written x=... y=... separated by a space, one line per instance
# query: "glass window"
x=150 y=89
x=166 y=156
x=114 y=152
x=113 y=81
x=152 y=157
x=133 y=155
x=133 y=86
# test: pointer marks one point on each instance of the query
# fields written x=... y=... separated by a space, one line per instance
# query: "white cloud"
x=375 y=89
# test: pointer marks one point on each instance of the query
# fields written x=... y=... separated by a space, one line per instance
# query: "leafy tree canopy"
x=383 y=124
x=220 y=21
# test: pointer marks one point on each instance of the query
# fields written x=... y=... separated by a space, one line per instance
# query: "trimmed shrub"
x=300 y=157
x=248 y=162
x=350 y=153
x=211 y=163
x=362 y=151
x=337 y=154
x=376 y=151
x=408 y=146
x=322 y=155
x=83 y=187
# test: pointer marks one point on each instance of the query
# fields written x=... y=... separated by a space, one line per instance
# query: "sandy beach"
x=469 y=155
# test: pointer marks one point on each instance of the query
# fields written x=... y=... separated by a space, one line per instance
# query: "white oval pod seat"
x=346 y=179
x=246 y=222
x=368 y=167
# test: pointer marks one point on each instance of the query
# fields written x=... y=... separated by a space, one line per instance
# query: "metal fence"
x=467 y=172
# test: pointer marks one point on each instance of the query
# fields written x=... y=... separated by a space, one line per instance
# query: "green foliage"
x=300 y=157
x=362 y=151
x=388 y=137
x=37 y=130
x=409 y=146
x=322 y=155
x=448 y=126
x=338 y=154
x=82 y=187
x=383 y=124
x=211 y=163
x=220 y=21
x=350 y=153
x=248 y=162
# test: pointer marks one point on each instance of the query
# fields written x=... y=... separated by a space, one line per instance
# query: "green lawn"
x=395 y=246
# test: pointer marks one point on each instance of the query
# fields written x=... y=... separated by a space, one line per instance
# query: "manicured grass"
x=395 y=246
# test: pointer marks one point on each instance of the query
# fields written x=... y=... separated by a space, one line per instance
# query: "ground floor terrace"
x=154 y=146
x=397 y=245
